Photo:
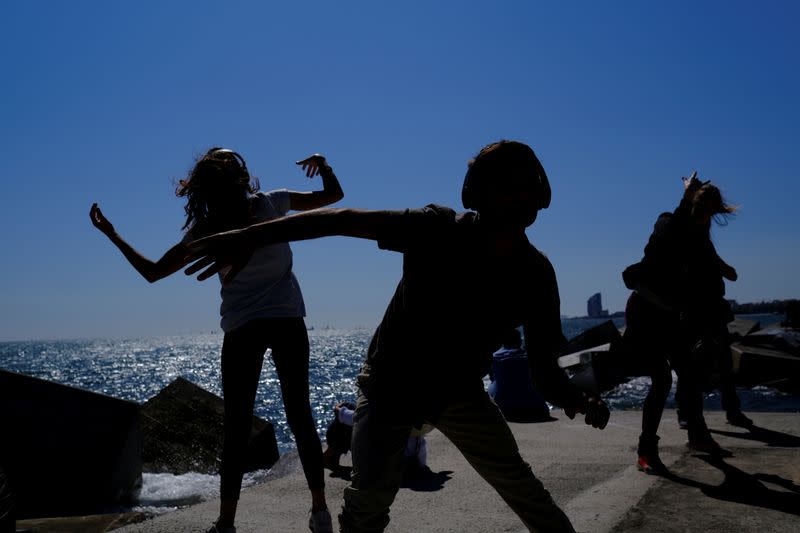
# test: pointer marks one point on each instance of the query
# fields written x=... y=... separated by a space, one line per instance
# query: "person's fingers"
x=307 y=160
x=210 y=271
x=603 y=421
x=231 y=273
x=597 y=413
x=199 y=265
x=601 y=418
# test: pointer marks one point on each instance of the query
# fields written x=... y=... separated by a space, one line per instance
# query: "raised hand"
x=99 y=221
x=692 y=184
x=691 y=181
x=313 y=164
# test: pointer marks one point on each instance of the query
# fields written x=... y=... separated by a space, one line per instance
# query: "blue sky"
x=111 y=102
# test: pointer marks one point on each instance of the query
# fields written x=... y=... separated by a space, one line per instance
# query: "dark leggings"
x=652 y=335
x=727 y=380
x=242 y=356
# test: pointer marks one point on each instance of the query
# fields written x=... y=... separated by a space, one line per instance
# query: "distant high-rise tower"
x=594 y=307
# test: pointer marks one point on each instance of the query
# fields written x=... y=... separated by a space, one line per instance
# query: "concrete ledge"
x=590 y=473
x=66 y=451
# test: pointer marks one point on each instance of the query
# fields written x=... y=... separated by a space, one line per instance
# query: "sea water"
x=137 y=369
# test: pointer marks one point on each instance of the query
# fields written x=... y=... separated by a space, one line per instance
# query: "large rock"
x=740 y=327
x=183 y=432
x=66 y=451
x=768 y=357
x=603 y=333
x=595 y=361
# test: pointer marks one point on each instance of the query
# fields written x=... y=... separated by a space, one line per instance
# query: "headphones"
x=236 y=156
x=476 y=179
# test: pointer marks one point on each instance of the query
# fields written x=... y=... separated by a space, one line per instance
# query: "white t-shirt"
x=266 y=286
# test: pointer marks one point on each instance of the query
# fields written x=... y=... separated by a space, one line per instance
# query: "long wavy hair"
x=707 y=196
x=217 y=191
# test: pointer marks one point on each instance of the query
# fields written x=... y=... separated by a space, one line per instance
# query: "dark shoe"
x=709 y=446
x=217 y=529
x=320 y=521
x=330 y=459
x=737 y=418
x=683 y=423
x=651 y=465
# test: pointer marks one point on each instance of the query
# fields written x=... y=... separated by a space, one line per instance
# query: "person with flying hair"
x=676 y=317
x=261 y=309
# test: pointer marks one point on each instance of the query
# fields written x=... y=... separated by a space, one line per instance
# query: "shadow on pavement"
x=748 y=489
x=767 y=436
x=342 y=472
x=425 y=480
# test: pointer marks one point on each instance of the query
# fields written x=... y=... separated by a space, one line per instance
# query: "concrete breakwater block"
x=66 y=451
x=768 y=357
x=740 y=327
x=183 y=432
x=594 y=360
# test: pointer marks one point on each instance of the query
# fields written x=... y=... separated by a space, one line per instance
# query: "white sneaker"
x=320 y=522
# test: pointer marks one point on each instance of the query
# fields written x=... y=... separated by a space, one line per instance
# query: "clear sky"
x=111 y=101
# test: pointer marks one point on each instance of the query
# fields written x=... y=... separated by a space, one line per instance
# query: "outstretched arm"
x=173 y=259
x=331 y=189
x=234 y=248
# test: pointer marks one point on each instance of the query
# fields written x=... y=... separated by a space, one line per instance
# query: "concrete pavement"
x=590 y=473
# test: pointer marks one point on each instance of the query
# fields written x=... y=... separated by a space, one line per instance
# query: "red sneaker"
x=651 y=464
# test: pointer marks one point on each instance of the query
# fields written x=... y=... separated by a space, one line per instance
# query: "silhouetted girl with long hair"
x=678 y=301
x=261 y=308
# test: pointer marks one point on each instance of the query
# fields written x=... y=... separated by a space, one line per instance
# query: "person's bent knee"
x=365 y=510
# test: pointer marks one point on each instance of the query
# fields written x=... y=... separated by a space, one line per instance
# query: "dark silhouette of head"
x=705 y=202
x=506 y=183
x=217 y=190
x=512 y=339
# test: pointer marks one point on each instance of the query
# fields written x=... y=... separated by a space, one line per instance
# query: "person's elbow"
x=334 y=196
x=153 y=275
x=328 y=198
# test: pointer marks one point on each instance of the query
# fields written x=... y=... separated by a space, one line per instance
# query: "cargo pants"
x=474 y=424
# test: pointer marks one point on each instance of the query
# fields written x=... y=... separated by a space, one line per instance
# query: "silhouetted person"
x=339 y=436
x=675 y=307
x=467 y=279
x=262 y=308
x=792 y=315
x=713 y=345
